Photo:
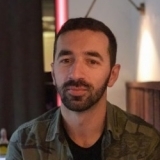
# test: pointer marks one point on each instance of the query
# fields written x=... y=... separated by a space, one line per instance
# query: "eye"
x=65 y=61
x=93 y=62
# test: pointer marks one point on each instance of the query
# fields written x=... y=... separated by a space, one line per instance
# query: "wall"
x=115 y=14
x=148 y=48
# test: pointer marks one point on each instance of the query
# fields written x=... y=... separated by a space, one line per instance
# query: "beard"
x=84 y=102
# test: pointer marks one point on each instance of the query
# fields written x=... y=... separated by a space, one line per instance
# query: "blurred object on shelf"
x=3 y=142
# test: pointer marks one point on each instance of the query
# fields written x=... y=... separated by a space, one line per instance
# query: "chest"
x=118 y=150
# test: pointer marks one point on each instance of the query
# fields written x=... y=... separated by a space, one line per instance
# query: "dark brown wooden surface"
x=143 y=100
x=144 y=85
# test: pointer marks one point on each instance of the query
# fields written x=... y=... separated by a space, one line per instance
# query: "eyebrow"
x=88 y=53
x=94 y=54
x=64 y=53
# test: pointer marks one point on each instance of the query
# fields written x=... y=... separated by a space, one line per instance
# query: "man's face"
x=81 y=69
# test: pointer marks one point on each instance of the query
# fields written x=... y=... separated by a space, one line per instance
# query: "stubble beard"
x=84 y=102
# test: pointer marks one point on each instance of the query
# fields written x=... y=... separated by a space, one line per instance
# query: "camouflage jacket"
x=126 y=137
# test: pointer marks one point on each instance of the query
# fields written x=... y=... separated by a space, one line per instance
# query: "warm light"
x=61 y=13
x=148 y=63
x=48 y=38
x=61 y=7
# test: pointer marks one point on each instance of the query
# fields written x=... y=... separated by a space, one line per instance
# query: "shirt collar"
x=55 y=126
x=114 y=123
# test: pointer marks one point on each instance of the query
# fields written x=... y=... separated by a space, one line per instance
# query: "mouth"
x=76 y=91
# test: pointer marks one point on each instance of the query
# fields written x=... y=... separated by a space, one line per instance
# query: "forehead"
x=83 y=40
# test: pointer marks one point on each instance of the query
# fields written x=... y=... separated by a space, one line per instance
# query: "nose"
x=76 y=70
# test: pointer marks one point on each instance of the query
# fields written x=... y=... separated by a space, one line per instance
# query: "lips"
x=76 y=91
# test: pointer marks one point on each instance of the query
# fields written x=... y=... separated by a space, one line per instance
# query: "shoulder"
x=36 y=126
x=134 y=123
x=134 y=131
x=128 y=121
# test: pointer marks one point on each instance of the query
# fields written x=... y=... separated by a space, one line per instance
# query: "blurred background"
x=27 y=30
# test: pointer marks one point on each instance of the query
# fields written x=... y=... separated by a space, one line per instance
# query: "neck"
x=84 y=128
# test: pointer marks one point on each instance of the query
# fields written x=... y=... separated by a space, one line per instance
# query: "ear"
x=114 y=75
x=52 y=73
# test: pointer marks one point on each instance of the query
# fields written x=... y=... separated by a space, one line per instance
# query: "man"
x=86 y=126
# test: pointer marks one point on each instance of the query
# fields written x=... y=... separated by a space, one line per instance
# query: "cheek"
x=100 y=78
x=59 y=78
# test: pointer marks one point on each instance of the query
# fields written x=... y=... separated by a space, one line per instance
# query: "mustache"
x=76 y=83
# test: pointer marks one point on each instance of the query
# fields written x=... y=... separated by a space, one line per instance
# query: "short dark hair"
x=93 y=25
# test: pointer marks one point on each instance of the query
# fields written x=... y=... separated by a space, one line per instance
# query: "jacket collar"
x=55 y=126
x=115 y=122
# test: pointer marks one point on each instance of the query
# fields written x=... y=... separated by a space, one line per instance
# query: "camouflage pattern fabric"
x=126 y=137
